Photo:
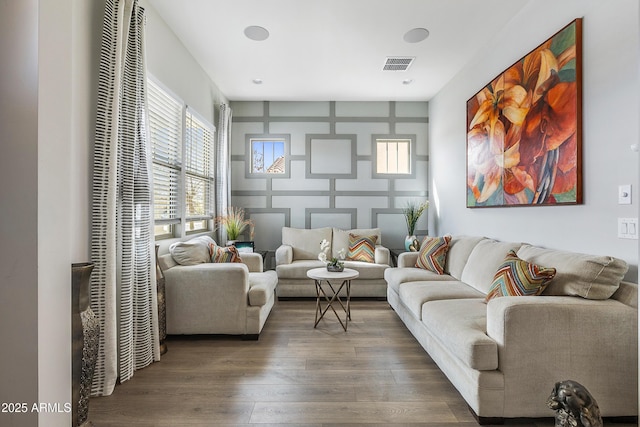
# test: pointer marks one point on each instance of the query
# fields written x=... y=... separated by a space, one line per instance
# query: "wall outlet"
x=628 y=228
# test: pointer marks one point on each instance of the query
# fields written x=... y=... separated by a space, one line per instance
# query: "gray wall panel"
x=330 y=186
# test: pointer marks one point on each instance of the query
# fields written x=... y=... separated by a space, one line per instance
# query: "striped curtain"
x=223 y=167
x=123 y=291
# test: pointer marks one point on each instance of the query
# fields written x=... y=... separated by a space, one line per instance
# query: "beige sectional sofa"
x=299 y=253
x=505 y=355
x=203 y=297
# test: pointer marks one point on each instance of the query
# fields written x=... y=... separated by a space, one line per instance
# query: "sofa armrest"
x=382 y=255
x=253 y=261
x=546 y=339
x=284 y=255
x=407 y=259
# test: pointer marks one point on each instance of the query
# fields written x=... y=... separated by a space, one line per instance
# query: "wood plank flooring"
x=295 y=375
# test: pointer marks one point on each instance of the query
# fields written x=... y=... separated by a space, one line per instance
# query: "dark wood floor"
x=295 y=375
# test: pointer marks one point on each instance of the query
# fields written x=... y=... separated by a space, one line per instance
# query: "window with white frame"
x=182 y=154
x=393 y=156
x=268 y=156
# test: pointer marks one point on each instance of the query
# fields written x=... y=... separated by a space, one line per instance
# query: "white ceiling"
x=333 y=49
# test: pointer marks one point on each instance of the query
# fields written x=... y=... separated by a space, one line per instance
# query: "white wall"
x=610 y=125
x=171 y=63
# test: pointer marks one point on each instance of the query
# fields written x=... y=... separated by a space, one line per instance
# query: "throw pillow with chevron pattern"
x=362 y=248
x=433 y=253
x=517 y=277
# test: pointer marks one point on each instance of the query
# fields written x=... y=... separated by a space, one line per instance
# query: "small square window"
x=393 y=156
x=268 y=156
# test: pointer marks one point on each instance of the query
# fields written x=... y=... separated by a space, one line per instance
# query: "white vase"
x=408 y=241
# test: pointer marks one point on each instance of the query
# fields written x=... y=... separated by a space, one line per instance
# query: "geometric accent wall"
x=331 y=179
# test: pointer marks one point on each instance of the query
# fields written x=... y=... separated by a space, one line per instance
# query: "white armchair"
x=217 y=298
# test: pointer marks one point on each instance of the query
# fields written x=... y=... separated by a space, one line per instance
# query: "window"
x=267 y=156
x=199 y=173
x=183 y=172
x=393 y=156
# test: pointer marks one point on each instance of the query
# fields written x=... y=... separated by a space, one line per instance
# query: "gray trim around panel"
x=310 y=211
x=331 y=136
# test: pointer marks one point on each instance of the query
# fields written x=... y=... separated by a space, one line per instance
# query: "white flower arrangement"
x=324 y=248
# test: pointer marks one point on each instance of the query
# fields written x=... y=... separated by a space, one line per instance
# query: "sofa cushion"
x=460 y=326
x=460 y=248
x=224 y=253
x=261 y=287
x=484 y=260
x=367 y=270
x=516 y=277
x=298 y=269
x=433 y=253
x=362 y=248
x=398 y=275
x=414 y=294
x=341 y=238
x=305 y=242
x=588 y=276
x=192 y=252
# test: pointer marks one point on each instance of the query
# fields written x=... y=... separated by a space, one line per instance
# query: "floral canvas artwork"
x=524 y=129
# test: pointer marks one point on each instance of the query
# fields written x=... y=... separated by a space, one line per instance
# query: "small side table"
x=330 y=293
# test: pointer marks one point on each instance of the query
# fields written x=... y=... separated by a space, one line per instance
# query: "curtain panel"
x=223 y=168
x=123 y=287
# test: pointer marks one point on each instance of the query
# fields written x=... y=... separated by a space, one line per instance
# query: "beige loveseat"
x=299 y=253
x=505 y=355
x=203 y=297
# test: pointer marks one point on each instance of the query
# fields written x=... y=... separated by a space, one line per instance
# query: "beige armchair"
x=216 y=298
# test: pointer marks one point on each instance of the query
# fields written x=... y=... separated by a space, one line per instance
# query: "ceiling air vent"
x=398 y=63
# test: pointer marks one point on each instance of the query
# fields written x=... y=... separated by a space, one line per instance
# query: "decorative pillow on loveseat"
x=516 y=277
x=224 y=253
x=362 y=248
x=433 y=253
x=192 y=252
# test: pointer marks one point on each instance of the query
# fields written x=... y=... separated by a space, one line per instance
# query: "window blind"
x=165 y=127
x=199 y=173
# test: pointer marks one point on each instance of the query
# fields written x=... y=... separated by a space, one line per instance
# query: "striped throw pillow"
x=362 y=248
x=517 y=277
x=224 y=253
x=433 y=253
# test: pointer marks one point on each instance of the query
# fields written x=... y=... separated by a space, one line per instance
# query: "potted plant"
x=234 y=224
x=412 y=212
x=334 y=264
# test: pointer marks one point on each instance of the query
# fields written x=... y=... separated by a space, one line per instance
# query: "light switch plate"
x=624 y=194
x=628 y=228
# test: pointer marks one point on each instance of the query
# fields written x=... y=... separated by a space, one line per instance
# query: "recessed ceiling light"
x=256 y=33
x=407 y=81
x=416 y=35
x=257 y=81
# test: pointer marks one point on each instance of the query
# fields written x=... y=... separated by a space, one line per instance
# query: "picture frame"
x=524 y=129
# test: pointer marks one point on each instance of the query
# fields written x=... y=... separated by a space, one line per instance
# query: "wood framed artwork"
x=524 y=129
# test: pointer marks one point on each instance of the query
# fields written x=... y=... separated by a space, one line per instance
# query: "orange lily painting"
x=524 y=129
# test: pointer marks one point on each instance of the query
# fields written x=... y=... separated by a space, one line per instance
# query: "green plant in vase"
x=412 y=212
x=234 y=224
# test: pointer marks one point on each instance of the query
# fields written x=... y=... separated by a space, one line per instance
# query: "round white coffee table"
x=326 y=290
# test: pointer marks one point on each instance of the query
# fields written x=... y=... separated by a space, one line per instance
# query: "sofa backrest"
x=484 y=260
x=589 y=276
x=341 y=238
x=460 y=248
x=305 y=242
